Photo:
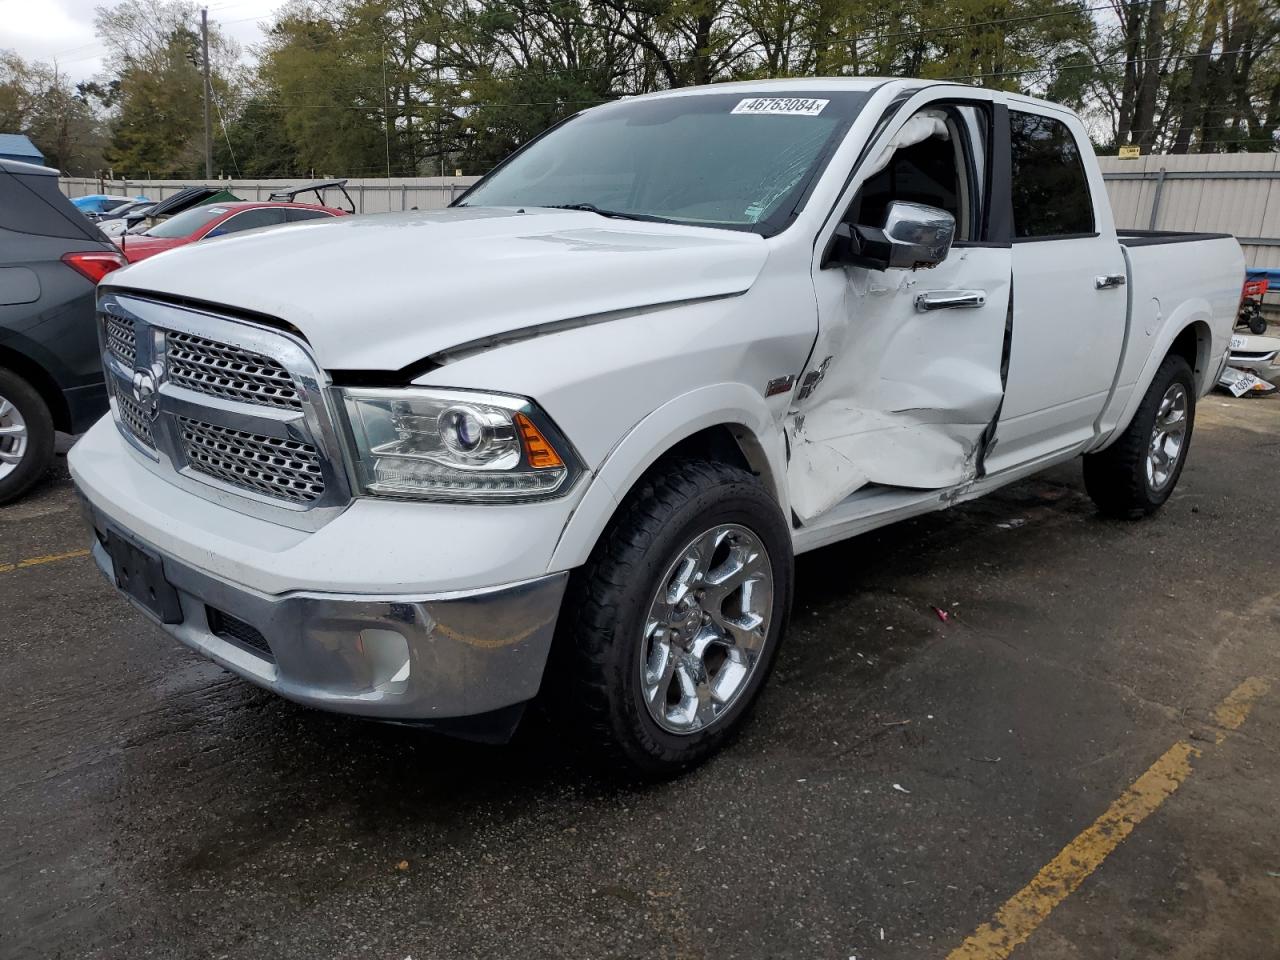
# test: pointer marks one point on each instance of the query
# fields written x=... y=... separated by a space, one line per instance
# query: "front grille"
x=225 y=371
x=228 y=409
x=122 y=340
x=236 y=630
x=134 y=419
x=285 y=469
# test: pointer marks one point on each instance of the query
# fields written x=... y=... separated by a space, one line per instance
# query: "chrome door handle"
x=950 y=299
x=1109 y=280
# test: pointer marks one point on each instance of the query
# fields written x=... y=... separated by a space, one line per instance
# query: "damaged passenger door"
x=906 y=379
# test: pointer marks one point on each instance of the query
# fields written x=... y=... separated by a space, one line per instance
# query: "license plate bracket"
x=140 y=574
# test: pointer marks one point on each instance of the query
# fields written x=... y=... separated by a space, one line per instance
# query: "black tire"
x=1257 y=322
x=594 y=680
x=38 y=454
x=1117 y=478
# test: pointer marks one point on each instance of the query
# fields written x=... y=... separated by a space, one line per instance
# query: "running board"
x=873 y=507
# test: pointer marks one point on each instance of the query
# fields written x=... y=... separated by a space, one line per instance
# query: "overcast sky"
x=62 y=30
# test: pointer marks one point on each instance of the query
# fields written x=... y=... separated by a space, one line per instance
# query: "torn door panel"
x=905 y=396
x=883 y=448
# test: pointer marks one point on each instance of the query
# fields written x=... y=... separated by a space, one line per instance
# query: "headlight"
x=456 y=445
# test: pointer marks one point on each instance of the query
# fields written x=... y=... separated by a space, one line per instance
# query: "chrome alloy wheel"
x=1168 y=437
x=13 y=438
x=706 y=629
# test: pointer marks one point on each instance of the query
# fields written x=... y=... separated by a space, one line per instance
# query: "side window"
x=297 y=216
x=940 y=163
x=249 y=220
x=1050 y=190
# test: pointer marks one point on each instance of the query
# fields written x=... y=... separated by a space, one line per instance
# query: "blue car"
x=101 y=202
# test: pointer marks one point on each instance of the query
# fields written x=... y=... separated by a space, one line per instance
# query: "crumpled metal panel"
x=903 y=397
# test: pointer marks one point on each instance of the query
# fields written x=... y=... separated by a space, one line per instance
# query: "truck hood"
x=381 y=292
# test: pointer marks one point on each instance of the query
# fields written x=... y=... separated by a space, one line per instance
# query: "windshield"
x=722 y=160
x=186 y=223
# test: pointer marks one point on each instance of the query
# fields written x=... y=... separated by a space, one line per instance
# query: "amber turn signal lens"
x=538 y=452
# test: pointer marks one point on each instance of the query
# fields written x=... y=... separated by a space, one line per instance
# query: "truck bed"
x=1173 y=280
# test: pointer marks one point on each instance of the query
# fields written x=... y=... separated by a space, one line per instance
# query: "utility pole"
x=386 y=109
x=208 y=93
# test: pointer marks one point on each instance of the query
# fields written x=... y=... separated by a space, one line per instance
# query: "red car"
x=217 y=220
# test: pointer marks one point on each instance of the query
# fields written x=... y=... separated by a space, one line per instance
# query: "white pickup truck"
x=565 y=438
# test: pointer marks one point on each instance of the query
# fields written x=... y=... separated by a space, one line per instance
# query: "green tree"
x=326 y=79
x=157 y=88
x=38 y=100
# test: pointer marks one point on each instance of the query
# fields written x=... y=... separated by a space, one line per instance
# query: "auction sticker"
x=781 y=106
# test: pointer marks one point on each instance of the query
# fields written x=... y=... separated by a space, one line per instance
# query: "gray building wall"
x=1236 y=193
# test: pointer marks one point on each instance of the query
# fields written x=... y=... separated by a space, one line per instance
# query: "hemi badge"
x=779 y=385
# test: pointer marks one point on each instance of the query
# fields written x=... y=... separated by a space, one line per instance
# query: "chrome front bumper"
x=404 y=658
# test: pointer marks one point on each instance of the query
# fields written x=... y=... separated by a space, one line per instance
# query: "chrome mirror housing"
x=913 y=236
x=918 y=236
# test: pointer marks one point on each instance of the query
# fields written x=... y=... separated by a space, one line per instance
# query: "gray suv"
x=51 y=259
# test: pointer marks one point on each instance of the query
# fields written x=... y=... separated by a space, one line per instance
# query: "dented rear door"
x=895 y=395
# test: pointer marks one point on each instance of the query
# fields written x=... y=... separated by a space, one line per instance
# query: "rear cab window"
x=1051 y=198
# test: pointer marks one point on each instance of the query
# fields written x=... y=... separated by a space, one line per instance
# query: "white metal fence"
x=369 y=195
x=1237 y=193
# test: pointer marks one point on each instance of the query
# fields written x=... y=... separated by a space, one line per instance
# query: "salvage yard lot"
x=903 y=777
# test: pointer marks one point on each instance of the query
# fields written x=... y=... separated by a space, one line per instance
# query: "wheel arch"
x=724 y=422
x=1187 y=333
x=1194 y=343
x=43 y=384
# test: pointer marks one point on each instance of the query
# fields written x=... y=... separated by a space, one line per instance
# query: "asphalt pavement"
x=1013 y=728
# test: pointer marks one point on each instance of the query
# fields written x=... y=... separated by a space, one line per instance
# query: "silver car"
x=1256 y=355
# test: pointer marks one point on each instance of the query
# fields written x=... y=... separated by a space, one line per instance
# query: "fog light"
x=388 y=655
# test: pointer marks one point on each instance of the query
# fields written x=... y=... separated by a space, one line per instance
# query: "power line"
x=461 y=83
x=287 y=105
x=868 y=34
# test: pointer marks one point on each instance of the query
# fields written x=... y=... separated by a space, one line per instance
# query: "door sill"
x=868 y=509
x=873 y=507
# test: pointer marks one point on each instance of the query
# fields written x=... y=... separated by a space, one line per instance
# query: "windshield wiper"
x=612 y=214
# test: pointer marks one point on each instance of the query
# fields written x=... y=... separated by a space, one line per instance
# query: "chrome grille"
x=284 y=469
x=134 y=419
x=224 y=409
x=221 y=370
x=122 y=340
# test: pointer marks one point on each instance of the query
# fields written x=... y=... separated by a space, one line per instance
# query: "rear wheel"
x=1137 y=473
x=26 y=436
x=671 y=628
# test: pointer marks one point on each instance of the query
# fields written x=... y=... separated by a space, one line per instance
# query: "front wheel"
x=1137 y=473
x=671 y=628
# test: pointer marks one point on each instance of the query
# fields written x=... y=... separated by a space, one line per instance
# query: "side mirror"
x=913 y=236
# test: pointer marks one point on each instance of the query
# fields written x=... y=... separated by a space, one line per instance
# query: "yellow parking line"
x=1232 y=711
x=40 y=561
x=1023 y=913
